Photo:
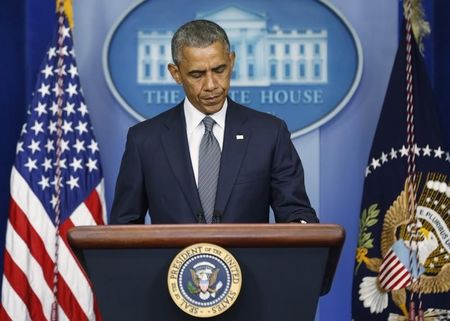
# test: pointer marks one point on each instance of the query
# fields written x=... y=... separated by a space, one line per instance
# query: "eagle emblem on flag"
x=409 y=250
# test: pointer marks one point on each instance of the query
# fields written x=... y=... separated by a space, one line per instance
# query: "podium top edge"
x=229 y=235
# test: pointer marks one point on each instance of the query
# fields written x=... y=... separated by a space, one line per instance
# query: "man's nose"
x=210 y=81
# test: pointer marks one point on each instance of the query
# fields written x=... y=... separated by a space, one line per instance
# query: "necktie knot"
x=209 y=123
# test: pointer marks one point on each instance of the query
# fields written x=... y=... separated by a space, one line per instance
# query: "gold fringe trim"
x=67 y=10
x=421 y=27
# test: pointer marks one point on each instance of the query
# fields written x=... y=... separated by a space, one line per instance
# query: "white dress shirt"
x=195 y=130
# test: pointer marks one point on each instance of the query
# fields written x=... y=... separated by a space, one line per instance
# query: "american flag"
x=57 y=170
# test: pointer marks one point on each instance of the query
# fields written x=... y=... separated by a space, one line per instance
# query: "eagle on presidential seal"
x=204 y=276
x=396 y=272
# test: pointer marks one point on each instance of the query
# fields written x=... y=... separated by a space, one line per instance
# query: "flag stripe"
x=20 y=284
x=12 y=304
x=68 y=267
x=94 y=204
x=21 y=226
x=3 y=315
x=101 y=194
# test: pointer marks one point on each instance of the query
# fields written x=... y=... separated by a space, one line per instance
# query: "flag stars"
x=51 y=52
x=416 y=150
x=47 y=71
x=57 y=181
x=393 y=153
x=40 y=109
x=403 y=151
x=79 y=145
x=93 y=146
x=76 y=164
x=438 y=152
x=384 y=158
x=49 y=146
x=375 y=163
x=81 y=127
x=44 y=90
x=47 y=164
x=426 y=151
x=34 y=146
x=73 y=71
x=52 y=126
x=64 y=32
x=67 y=127
x=44 y=182
x=24 y=129
x=54 y=108
x=62 y=51
x=447 y=157
x=64 y=145
x=57 y=90
x=91 y=164
x=69 y=109
x=31 y=164
x=83 y=109
x=54 y=201
x=61 y=164
x=19 y=148
x=73 y=182
x=60 y=71
x=71 y=90
x=37 y=127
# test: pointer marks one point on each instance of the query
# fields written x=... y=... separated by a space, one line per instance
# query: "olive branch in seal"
x=369 y=218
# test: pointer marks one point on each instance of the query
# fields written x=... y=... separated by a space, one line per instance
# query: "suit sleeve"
x=130 y=203
x=289 y=200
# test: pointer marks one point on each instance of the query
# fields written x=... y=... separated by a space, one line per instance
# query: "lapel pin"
x=239 y=137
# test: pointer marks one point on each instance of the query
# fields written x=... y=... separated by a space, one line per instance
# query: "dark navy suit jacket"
x=263 y=169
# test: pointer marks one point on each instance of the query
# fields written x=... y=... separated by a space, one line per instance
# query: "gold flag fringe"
x=67 y=10
x=420 y=27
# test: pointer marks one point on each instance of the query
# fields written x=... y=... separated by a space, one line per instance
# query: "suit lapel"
x=176 y=147
x=235 y=142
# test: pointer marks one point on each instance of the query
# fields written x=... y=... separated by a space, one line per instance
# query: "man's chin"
x=212 y=106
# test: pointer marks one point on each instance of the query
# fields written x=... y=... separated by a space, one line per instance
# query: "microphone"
x=201 y=218
x=217 y=217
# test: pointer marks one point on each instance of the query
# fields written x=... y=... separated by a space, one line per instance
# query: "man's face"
x=205 y=75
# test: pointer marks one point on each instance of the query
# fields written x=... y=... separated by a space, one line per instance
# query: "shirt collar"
x=194 y=116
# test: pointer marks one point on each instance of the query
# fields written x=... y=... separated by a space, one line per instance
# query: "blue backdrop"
x=343 y=143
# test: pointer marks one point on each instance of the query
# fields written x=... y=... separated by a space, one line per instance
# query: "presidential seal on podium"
x=204 y=280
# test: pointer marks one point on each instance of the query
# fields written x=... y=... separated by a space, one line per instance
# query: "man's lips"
x=212 y=98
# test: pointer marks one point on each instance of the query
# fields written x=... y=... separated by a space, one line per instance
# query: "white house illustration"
x=264 y=56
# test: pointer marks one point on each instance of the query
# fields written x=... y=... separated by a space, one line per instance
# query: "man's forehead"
x=211 y=56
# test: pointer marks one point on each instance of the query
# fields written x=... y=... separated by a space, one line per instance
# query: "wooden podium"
x=285 y=267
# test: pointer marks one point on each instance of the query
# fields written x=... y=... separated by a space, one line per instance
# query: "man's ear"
x=232 y=57
x=175 y=72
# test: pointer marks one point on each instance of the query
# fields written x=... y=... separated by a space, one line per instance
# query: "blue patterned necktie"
x=208 y=168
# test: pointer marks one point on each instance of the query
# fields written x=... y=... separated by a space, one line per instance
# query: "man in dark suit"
x=209 y=159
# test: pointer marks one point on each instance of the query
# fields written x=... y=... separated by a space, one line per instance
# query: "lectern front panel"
x=277 y=283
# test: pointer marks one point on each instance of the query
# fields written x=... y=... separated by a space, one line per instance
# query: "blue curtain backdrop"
x=25 y=29
x=437 y=54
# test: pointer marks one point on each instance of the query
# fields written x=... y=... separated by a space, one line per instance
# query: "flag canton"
x=36 y=150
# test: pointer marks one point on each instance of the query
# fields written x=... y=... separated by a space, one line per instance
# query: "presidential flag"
x=56 y=184
x=403 y=251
